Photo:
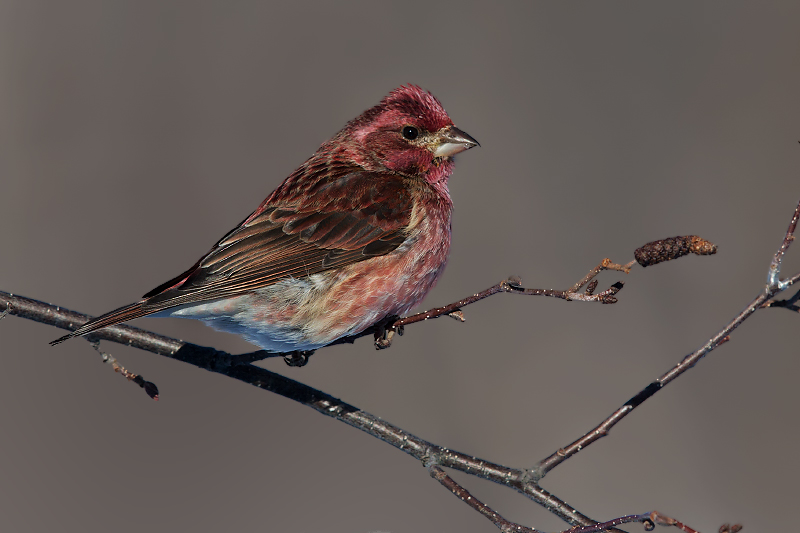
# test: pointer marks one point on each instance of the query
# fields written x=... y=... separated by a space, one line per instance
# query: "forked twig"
x=450 y=484
x=385 y=331
x=773 y=277
x=774 y=286
x=650 y=521
x=514 y=285
x=789 y=303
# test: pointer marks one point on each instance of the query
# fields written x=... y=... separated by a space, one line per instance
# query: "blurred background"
x=134 y=134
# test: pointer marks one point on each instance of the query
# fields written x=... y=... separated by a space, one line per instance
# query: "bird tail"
x=123 y=314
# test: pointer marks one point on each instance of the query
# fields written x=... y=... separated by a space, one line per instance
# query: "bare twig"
x=650 y=521
x=773 y=277
x=383 y=332
x=502 y=524
x=514 y=285
x=149 y=387
x=774 y=286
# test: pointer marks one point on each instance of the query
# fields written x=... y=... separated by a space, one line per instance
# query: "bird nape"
x=358 y=233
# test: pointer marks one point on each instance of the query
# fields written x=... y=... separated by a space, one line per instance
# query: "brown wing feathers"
x=349 y=218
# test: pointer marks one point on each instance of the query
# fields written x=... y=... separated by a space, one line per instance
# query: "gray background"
x=135 y=134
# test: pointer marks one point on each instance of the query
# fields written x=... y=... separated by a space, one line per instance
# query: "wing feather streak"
x=349 y=217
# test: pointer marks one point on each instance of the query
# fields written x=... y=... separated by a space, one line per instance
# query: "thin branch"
x=650 y=521
x=502 y=524
x=773 y=277
x=383 y=332
x=514 y=286
x=773 y=287
x=148 y=386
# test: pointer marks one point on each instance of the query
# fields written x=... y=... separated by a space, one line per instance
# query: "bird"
x=359 y=233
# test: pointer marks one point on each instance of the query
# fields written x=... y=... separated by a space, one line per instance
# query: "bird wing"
x=304 y=228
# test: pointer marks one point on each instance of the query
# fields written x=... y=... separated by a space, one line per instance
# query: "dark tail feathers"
x=123 y=314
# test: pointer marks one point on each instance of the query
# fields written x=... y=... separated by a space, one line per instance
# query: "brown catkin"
x=662 y=250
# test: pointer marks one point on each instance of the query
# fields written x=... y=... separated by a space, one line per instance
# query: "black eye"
x=410 y=132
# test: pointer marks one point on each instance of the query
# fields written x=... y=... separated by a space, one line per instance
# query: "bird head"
x=408 y=132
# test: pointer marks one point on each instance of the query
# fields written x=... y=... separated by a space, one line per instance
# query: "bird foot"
x=298 y=358
x=385 y=333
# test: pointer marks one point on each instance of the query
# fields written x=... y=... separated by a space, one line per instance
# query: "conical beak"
x=451 y=140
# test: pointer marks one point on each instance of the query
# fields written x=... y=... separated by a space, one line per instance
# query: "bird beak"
x=450 y=141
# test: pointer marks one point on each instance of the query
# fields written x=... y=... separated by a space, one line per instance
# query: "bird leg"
x=298 y=357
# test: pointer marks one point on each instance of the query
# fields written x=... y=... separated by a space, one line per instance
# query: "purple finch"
x=360 y=232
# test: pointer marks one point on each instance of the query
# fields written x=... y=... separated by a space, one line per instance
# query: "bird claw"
x=384 y=334
x=298 y=358
x=385 y=340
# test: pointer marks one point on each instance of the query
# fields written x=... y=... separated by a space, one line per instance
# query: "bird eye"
x=410 y=132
